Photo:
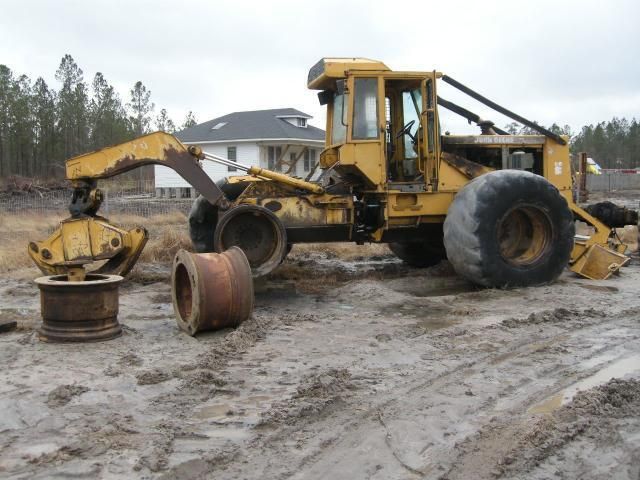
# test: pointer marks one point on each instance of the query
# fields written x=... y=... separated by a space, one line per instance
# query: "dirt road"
x=396 y=373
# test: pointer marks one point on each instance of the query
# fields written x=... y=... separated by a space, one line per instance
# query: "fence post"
x=583 y=195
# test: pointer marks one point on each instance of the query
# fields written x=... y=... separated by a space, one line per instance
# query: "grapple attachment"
x=598 y=262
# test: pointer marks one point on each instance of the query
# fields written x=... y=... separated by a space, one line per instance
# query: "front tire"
x=203 y=218
x=419 y=254
x=257 y=232
x=509 y=228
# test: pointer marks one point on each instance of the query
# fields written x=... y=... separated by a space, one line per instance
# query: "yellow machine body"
x=79 y=241
x=412 y=183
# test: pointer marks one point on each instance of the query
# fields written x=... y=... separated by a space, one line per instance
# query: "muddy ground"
x=381 y=372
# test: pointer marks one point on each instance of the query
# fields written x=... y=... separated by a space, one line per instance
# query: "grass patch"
x=16 y=230
x=167 y=234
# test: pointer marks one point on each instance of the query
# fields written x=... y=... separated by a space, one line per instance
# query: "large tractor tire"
x=257 y=232
x=203 y=218
x=419 y=254
x=509 y=228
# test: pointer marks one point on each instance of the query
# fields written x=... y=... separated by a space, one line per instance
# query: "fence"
x=612 y=181
x=145 y=200
x=125 y=201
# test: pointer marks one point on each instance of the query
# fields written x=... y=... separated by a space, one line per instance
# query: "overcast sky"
x=570 y=62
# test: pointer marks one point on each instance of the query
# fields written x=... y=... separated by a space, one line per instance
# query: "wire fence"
x=142 y=198
x=116 y=201
x=613 y=181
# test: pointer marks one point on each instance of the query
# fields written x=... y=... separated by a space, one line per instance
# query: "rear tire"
x=509 y=228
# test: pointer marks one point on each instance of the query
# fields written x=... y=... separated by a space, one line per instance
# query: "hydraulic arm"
x=86 y=237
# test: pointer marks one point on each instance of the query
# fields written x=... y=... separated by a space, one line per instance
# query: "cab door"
x=431 y=125
x=364 y=150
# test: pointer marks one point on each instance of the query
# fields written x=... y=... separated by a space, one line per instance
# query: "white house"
x=279 y=139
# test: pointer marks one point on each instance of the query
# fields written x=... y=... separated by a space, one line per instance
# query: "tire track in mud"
x=347 y=434
x=199 y=382
x=100 y=435
x=349 y=413
x=553 y=445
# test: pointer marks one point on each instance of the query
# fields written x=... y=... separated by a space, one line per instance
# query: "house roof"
x=257 y=124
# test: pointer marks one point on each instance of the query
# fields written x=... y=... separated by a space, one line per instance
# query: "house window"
x=302 y=122
x=218 y=125
x=231 y=155
x=273 y=155
x=309 y=159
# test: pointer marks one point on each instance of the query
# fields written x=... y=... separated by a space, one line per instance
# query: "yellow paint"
x=286 y=179
x=363 y=158
x=426 y=197
x=82 y=241
x=104 y=163
x=310 y=210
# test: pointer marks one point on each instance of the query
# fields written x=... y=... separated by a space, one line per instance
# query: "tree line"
x=613 y=144
x=41 y=126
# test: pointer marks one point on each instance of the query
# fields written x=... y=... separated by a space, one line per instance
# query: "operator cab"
x=376 y=123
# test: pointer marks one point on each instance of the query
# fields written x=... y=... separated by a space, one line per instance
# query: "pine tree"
x=41 y=128
x=140 y=118
x=164 y=123
x=21 y=126
x=140 y=107
x=44 y=135
x=6 y=98
x=189 y=121
x=108 y=119
x=512 y=128
x=72 y=109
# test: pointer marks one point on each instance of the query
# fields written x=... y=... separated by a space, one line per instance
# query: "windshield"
x=411 y=105
x=338 y=127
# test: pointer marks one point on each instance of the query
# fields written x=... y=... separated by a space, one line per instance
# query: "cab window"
x=365 y=109
x=338 y=124
x=411 y=106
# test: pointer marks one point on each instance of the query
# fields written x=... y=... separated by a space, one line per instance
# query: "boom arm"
x=163 y=149
x=155 y=148
x=86 y=237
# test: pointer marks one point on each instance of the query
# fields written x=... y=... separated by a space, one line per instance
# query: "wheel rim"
x=524 y=235
x=255 y=234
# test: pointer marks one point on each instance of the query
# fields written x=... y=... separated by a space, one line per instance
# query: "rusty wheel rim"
x=524 y=235
x=211 y=290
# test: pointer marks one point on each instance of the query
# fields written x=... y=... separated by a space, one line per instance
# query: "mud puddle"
x=624 y=368
x=245 y=411
x=344 y=381
x=429 y=315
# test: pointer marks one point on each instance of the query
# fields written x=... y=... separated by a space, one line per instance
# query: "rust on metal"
x=466 y=167
x=258 y=232
x=583 y=195
x=79 y=311
x=211 y=291
x=182 y=162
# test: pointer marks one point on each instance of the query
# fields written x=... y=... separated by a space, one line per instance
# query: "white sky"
x=569 y=62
